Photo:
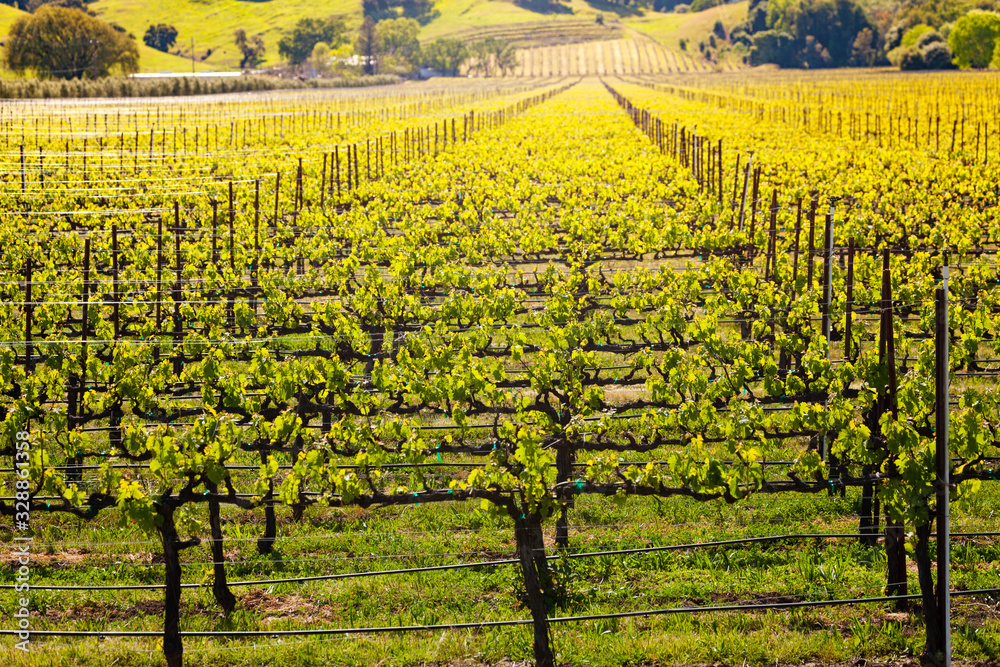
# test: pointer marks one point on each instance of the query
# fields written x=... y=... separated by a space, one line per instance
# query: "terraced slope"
x=608 y=57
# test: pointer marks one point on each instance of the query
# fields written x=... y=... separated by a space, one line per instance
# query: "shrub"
x=702 y=5
x=912 y=59
x=929 y=37
x=937 y=55
x=160 y=36
x=911 y=36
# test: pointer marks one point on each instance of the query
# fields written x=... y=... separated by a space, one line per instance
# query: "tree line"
x=936 y=34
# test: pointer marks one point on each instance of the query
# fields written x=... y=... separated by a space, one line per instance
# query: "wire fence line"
x=480 y=564
x=477 y=625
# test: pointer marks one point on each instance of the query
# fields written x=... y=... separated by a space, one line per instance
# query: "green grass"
x=461 y=16
x=212 y=24
x=476 y=19
x=333 y=540
x=150 y=60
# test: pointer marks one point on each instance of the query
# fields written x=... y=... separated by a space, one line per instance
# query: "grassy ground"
x=459 y=16
x=331 y=541
x=150 y=60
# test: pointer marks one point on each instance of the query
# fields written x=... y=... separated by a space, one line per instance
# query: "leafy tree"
x=251 y=48
x=398 y=43
x=494 y=54
x=756 y=17
x=446 y=55
x=160 y=36
x=320 y=58
x=379 y=10
x=422 y=11
x=863 y=51
x=702 y=5
x=937 y=13
x=911 y=36
x=34 y=5
x=973 y=39
x=367 y=45
x=775 y=47
x=297 y=44
x=506 y=58
x=68 y=44
x=823 y=33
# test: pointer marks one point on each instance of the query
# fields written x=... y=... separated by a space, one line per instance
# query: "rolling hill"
x=211 y=23
x=151 y=60
x=205 y=28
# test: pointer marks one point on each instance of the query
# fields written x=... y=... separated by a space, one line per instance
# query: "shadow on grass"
x=620 y=11
x=544 y=6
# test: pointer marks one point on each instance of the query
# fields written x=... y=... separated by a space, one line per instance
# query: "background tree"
x=297 y=45
x=251 y=48
x=446 y=55
x=809 y=33
x=399 y=46
x=493 y=56
x=160 y=36
x=320 y=59
x=422 y=11
x=973 y=38
x=68 y=44
x=367 y=45
x=35 y=5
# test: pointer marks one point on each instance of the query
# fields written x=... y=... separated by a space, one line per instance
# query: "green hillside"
x=150 y=60
x=211 y=24
x=575 y=22
x=668 y=29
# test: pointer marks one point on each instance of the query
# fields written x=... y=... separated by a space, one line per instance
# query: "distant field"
x=459 y=16
x=608 y=57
